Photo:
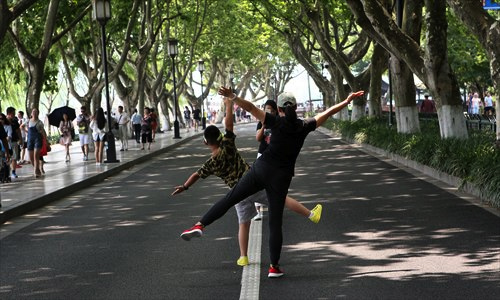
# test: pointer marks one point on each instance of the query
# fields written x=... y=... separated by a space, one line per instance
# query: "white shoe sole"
x=274 y=275
x=191 y=234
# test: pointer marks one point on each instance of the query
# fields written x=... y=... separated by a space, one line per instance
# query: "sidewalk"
x=26 y=193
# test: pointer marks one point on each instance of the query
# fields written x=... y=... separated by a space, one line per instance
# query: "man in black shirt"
x=196 y=118
x=274 y=170
x=16 y=137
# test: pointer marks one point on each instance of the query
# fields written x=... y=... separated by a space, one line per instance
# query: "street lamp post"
x=201 y=68
x=173 y=51
x=101 y=14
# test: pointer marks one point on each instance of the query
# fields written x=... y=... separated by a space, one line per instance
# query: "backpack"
x=15 y=127
x=83 y=125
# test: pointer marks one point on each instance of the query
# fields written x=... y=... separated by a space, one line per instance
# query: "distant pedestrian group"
x=476 y=106
x=25 y=140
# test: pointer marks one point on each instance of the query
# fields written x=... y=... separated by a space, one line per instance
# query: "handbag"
x=45 y=148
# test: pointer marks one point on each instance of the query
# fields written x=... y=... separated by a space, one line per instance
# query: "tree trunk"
x=5 y=19
x=409 y=20
x=35 y=70
x=487 y=30
x=34 y=64
x=439 y=77
x=377 y=67
x=404 y=95
x=498 y=117
x=432 y=66
x=165 y=116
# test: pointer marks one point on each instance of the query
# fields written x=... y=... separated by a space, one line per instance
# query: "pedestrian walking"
x=65 y=128
x=427 y=105
x=136 y=125
x=154 y=123
x=99 y=128
x=274 y=170
x=226 y=162
x=122 y=119
x=187 y=118
x=146 y=129
x=489 y=110
x=196 y=118
x=24 y=136
x=475 y=104
x=4 y=158
x=36 y=137
x=16 y=138
x=6 y=168
x=83 y=122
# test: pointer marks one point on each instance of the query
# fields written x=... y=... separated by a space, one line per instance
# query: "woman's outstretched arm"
x=322 y=117
x=246 y=105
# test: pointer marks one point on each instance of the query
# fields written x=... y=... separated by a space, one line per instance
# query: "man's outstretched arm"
x=246 y=105
x=229 y=123
x=323 y=116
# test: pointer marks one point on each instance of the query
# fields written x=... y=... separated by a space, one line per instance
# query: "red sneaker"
x=195 y=231
x=275 y=271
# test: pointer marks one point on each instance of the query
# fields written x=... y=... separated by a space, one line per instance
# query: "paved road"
x=385 y=234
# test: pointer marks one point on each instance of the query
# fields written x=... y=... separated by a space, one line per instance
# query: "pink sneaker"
x=195 y=231
x=275 y=271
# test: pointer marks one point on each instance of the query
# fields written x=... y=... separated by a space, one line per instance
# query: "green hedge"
x=475 y=160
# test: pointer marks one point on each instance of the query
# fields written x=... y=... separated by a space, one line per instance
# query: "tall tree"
x=9 y=14
x=322 y=32
x=429 y=63
x=409 y=19
x=34 y=60
x=487 y=30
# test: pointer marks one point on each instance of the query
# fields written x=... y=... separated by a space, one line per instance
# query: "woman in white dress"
x=65 y=127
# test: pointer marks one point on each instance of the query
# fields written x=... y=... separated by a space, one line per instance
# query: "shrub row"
x=475 y=160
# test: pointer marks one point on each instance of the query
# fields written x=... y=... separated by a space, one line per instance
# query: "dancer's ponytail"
x=291 y=113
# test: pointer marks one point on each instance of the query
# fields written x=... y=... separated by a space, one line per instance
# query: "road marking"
x=250 y=279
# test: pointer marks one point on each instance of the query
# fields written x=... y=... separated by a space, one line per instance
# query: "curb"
x=79 y=185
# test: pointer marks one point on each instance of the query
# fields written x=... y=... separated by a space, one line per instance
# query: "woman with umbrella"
x=65 y=127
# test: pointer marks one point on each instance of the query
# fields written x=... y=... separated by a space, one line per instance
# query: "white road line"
x=250 y=279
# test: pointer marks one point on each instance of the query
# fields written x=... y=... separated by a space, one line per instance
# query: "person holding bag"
x=36 y=135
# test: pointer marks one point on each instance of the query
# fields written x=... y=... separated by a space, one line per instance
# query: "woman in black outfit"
x=274 y=170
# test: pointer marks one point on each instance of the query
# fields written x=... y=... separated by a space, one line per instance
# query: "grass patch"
x=475 y=160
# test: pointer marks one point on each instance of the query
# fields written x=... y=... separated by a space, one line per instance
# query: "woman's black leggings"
x=260 y=176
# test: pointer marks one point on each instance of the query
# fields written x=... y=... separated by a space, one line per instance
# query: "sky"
x=299 y=87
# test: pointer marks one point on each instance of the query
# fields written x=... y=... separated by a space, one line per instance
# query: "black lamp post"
x=101 y=14
x=173 y=51
x=201 y=68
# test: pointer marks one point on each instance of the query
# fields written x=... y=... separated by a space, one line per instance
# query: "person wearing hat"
x=227 y=164
x=274 y=170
